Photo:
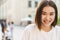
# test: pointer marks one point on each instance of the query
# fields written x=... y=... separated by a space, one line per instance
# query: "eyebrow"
x=46 y=12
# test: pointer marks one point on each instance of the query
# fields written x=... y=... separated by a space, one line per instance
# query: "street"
x=17 y=31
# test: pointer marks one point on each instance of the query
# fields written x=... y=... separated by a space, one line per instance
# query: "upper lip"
x=46 y=21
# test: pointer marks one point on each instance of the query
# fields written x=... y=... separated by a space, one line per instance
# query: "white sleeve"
x=58 y=32
x=25 y=35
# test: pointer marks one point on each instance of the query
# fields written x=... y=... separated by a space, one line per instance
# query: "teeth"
x=46 y=22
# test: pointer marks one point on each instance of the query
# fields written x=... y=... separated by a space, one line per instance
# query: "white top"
x=9 y=30
x=32 y=33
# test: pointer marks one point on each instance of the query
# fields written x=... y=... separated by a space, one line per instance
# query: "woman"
x=4 y=29
x=45 y=24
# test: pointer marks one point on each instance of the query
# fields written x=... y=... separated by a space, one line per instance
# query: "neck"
x=46 y=28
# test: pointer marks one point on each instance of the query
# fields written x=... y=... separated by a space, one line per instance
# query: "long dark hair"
x=39 y=12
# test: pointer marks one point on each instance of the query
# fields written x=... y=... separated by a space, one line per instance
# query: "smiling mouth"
x=47 y=22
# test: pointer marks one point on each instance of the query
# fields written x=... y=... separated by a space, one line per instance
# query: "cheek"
x=53 y=17
x=43 y=17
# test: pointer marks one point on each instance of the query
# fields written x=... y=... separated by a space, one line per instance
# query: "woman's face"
x=48 y=15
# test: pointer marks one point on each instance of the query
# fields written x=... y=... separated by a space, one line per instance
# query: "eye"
x=43 y=13
x=51 y=13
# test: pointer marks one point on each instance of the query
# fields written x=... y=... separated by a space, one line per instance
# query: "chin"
x=47 y=24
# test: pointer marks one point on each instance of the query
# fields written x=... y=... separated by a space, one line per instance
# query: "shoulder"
x=30 y=27
x=57 y=28
x=28 y=32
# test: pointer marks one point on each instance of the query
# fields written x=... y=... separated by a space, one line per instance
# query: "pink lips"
x=47 y=21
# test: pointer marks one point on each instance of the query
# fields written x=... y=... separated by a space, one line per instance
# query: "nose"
x=47 y=17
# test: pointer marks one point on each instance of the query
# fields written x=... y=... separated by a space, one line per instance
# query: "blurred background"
x=17 y=14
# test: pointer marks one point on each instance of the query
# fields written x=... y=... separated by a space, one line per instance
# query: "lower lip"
x=46 y=22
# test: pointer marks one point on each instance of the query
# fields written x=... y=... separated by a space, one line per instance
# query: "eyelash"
x=45 y=14
x=51 y=14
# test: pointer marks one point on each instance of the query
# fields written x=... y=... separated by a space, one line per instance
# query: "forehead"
x=48 y=9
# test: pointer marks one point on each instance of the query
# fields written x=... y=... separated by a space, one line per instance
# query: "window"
x=29 y=4
x=36 y=2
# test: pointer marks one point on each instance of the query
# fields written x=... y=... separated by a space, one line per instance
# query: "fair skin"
x=48 y=16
